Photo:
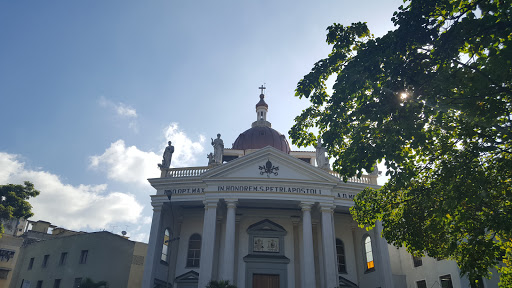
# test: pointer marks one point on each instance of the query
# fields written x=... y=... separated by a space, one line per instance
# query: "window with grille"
x=63 y=257
x=194 y=250
x=4 y=273
x=45 y=261
x=83 y=256
x=340 y=256
x=368 y=254
x=421 y=284
x=30 y=263
x=417 y=261
x=446 y=281
x=165 y=246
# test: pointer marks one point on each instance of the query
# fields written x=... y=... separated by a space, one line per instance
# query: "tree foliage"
x=432 y=99
x=13 y=201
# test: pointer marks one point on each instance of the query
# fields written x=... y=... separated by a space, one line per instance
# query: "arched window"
x=340 y=255
x=165 y=246
x=368 y=253
x=194 y=250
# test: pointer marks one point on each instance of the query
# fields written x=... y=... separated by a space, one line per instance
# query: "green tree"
x=432 y=99
x=220 y=284
x=89 y=283
x=13 y=201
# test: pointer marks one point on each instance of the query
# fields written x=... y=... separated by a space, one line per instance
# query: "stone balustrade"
x=197 y=171
x=187 y=171
x=365 y=179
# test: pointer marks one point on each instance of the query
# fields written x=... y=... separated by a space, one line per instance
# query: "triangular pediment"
x=269 y=164
x=343 y=282
x=188 y=277
x=266 y=226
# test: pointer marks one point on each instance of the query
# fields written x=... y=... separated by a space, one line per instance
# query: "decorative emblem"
x=269 y=169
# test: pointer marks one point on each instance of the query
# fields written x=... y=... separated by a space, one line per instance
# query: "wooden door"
x=265 y=281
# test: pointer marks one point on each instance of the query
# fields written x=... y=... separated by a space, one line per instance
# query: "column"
x=328 y=243
x=383 y=252
x=228 y=262
x=307 y=235
x=154 y=250
x=208 y=242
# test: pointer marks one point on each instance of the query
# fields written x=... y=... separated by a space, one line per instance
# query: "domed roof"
x=262 y=101
x=259 y=137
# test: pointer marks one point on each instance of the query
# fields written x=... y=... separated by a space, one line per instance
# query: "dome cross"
x=262 y=88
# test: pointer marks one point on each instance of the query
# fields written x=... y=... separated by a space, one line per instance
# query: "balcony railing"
x=197 y=171
x=187 y=171
x=365 y=179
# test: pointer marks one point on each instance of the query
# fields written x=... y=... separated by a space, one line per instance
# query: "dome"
x=259 y=137
x=262 y=102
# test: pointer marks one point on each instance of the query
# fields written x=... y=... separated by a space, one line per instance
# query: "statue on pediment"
x=167 y=157
x=211 y=159
x=322 y=161
x=218 y=149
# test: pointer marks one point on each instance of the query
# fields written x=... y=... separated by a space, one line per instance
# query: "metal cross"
x=262 y=88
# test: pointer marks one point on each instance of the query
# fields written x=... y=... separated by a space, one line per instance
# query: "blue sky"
x=91 y=90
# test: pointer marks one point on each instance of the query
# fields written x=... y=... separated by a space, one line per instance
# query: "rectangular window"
x=39 y=284
x=83 y=256
x=31 y=263
x=421 y=284
x=77 y=282
x=6 y=255
x=56 y=284
x=45 y=261
x=63 y=257
x=417 y=261
x=446 y=281
x=4 y=273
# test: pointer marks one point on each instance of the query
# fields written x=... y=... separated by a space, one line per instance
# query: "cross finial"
x=262 y=88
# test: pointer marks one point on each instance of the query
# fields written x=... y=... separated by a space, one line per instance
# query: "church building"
x=262 y=215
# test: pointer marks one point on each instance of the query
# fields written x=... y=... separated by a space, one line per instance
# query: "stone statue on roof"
x=211 y=159
x=321 y=159
x=166 y=161
x=218 y=149
x=375 y=170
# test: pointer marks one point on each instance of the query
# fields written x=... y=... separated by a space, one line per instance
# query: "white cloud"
x=186 y=151
x=122 y=110
x=126 y=111
x=68 y=206
x=132 y=165
x=127 y=164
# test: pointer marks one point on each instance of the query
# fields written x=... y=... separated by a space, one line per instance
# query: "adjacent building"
x=10 y=245
x=64 y=258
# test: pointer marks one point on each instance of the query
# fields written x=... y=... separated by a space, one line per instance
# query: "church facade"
x=261 y=215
